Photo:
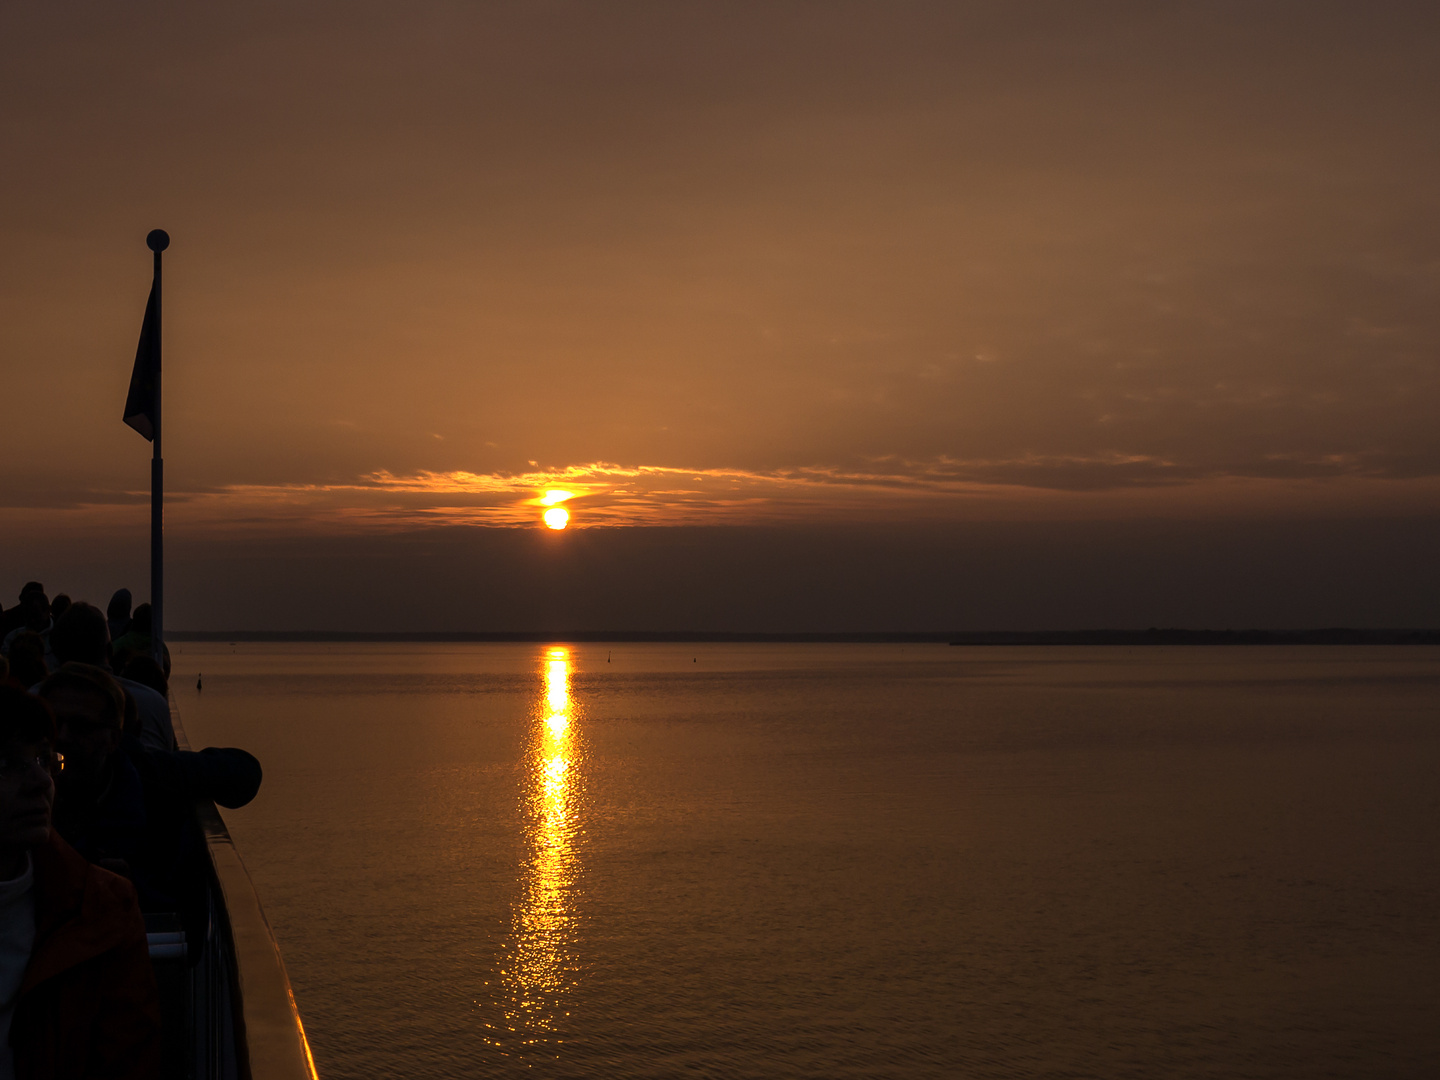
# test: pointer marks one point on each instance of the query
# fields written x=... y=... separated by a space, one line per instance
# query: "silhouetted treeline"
x=1339 y=635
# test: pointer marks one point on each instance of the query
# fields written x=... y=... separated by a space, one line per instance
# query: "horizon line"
x=1338 y=635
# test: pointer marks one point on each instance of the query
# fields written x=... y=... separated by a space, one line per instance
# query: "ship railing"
x=229 y=1010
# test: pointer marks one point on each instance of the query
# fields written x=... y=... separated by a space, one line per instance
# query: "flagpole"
x=157 y=241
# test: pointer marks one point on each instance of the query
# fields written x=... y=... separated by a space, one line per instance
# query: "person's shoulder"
x=110 y=895
x=66 y=880
x=60 y=870
x=103 y=892
x=82 y=913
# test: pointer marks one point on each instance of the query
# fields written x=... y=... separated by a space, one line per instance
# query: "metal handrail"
x=268 y=1036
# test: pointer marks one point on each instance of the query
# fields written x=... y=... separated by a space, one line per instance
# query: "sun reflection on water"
x=542 y=965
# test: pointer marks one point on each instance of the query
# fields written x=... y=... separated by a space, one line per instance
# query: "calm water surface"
x=844 y=861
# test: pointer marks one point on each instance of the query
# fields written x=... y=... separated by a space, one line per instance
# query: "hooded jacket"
x=88 y=1007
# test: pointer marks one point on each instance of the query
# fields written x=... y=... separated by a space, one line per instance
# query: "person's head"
x=27 y=767
x=58 y=606
x=145 y=671
x=119 y=606
x=27 y=658
x=80 y=635
x=37 y=610
x=89 y=709
x=28 y=588
x=140 y=623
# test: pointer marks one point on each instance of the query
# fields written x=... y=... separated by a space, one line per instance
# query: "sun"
x=557 y=517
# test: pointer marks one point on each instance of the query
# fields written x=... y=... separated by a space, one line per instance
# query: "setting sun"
x=557 y=517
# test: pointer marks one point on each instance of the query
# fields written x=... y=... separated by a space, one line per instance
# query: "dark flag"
x=140 y=402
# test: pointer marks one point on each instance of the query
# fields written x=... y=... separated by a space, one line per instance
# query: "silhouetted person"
x=15 y=617
x=137 y=641
x=117 y=614
x=101 y=808
x=77 y=992
x=81 y=637
x=122 y=803
x=58 y=606
x=35 y=609
x=27 y=659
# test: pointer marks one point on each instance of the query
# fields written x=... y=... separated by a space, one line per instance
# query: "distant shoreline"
x=1153 y=636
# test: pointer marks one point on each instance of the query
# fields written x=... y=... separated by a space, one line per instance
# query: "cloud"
x=893 y=490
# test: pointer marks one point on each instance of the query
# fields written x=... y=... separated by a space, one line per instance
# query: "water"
x=844 y=860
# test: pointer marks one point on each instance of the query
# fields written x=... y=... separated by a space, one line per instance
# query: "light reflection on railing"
x=541 y=968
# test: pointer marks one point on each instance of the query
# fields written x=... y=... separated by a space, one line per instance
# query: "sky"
x=1136 y=300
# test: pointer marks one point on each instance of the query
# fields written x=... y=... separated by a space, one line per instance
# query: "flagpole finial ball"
x=158 y=240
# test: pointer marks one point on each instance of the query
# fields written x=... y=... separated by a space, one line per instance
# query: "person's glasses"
x=14 y=765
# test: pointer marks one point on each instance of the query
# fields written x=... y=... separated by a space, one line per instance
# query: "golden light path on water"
x=542 y=964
